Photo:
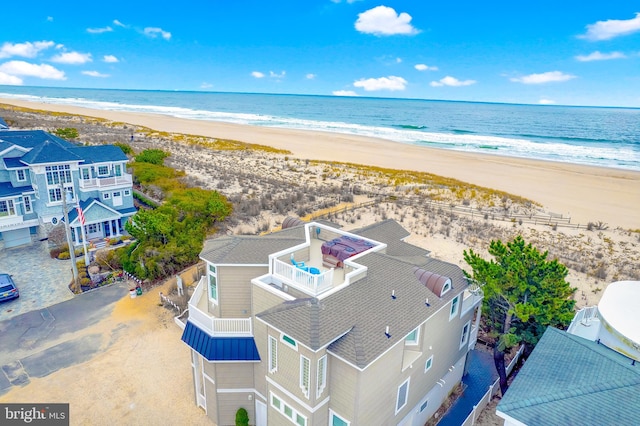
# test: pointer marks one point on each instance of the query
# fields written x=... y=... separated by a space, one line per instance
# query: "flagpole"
x=84 y=235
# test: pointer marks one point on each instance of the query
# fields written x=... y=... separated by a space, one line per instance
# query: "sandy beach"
x=585 y=193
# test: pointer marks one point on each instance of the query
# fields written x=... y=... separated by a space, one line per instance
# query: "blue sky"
x=562 y=52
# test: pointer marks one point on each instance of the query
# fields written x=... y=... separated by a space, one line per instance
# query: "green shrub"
x=125 y=148
x=85 y=281
x=153 y=156
x=242 y=417
x=66 y=133
x=64 y=255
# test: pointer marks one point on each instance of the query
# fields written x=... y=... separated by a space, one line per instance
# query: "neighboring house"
x=313 y=325
x=37 y=168
x=588 y=375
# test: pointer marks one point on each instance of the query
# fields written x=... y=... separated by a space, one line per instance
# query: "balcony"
x=311 y=284
x=472 y=296
x=105 y=182
x=218 y=327
x=10 y=222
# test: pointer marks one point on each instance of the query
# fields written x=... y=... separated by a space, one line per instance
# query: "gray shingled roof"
x=31 y=138
x=8 y=190
x=365 y=308
x=571 y=380
x=99 y=153
x=245 y=249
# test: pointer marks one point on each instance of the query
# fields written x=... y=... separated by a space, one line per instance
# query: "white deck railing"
x=583 y=317
x=212 y=325
x=311 y=284
x=471 y=296
x=105 y=181
x=10 y=222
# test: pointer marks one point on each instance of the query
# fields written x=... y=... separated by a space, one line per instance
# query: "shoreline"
x=584 y=193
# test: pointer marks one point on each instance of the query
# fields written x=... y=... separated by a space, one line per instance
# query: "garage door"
x=17 y=237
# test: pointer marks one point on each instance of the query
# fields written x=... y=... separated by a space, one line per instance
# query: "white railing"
x=312 y=284
x=9 y=222
x=106 y=181
x=583 y=317
x=212 y=325
x=471 y=296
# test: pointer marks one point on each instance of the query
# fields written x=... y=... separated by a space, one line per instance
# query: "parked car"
x=8 y=289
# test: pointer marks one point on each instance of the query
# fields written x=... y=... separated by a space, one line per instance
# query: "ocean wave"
x=409 y=126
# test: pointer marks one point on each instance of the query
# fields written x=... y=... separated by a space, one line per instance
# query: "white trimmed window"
x=7 y=208
x=117 y=170
x=403 y=395
x=127 y=192
x=85 y=173
x=322 y=376
x=424 y=405
x=455 y=305
x=413 y=337
x=465 y=334
x=213 y=283
x=289 y=341
x=305 y=367
x=428 y=364
x=57 y=175
x=21 y=175
x=106 y=196
x=336 y=420
x=286 y=410
x=273 y=354
x=27 y=204
x=103 y=170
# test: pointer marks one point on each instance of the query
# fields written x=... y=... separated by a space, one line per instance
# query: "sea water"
x=598 y=136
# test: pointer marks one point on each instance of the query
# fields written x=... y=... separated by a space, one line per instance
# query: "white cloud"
x=424 y=67
x=206 y=86
x=95 y=74
x=257 y=74
x=274 y=75
x=118 y=23
x=153 y=32
x=546 y=102
x=383 y=83
x=384 y=21
x=452 y=82
x=344 y=93
x=106 y=29
x=72 y=58
x=26 y=50
x=50 y=18
x=110 y=58
x=597 y=56
x=310 y=76
x=44 y=71
x=611 y=28
x=545 y=77
x=10 y=80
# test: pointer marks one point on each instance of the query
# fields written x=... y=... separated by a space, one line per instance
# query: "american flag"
x=80 y=214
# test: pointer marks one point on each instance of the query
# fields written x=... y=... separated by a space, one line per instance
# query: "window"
x=454 y=307
x=116 y=194
x=85 y=173
x=428 y=364
x=6 y=208
x=446 y=287
x=103 y=170
x=403 y=392
x=424 y=406
x=21 y=175
x=127 y=192
x=27 y=204
x=273 y=354
x=106 y=195
x=57 y=174
x=336 y=420
x=305 y=366
x=117 y=170
x=288 y=411
x=213 y=284
x=289 y=341
x=55 y=194
x=412 y=338
x=465 y=334
x=92 y=228
x=322 y=376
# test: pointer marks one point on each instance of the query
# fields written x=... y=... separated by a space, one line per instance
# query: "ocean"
x=605 y=137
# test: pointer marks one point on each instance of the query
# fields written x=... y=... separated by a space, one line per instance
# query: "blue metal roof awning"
x=220 y=348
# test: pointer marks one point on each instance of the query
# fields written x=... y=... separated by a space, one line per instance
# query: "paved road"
x=42 y=281
x=40 y=342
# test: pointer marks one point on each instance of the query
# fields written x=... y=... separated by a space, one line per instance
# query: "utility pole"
x=72 y=252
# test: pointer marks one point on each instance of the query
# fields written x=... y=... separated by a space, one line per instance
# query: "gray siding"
x=261 y=299
x=342 y=381
x=234 y=375
x=234 y=289
x=228 y=405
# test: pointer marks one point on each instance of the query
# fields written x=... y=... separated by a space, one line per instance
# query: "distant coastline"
x=596 y=136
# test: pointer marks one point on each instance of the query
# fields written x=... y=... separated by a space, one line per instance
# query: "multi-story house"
x=37 y=169
x=313 y=325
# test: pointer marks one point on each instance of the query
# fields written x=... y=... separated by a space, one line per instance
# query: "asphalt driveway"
x=42 y=281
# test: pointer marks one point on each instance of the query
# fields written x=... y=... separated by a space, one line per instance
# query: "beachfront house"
x=313 y=325
x=589 y=374
x=37 y=169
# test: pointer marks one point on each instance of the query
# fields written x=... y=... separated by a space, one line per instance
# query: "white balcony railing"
x=212 y=325
x=8 y=223
x=471 y=297
x=311 y=284
x=106 y=181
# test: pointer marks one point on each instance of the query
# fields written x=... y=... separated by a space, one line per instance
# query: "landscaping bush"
x=64 y=255
x=55 y=252
x=242 y=417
